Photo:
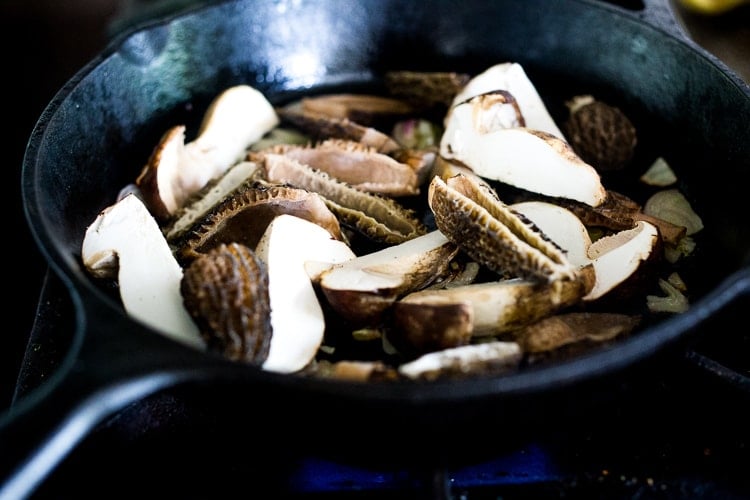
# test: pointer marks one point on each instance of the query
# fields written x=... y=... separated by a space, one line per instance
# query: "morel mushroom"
x=226 y=293
x=469 y=360
x=430 y=320
x=363 y=288
x=237 y=117
x=512 y=78
x=525 y=158
x=616 y=258
x=125 y=241
x=601 y=134
x=297 y=318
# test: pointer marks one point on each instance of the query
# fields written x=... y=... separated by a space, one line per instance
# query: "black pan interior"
x=98 y=131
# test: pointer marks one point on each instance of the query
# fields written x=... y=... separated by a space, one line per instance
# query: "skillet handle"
x=103 y=370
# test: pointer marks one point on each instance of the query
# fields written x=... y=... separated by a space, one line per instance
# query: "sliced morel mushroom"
x=574 y=327
x=125 y=242
x=235 y=119
x=366 y=109
x=378 y=218
x=512 y=78
x=208 y=197
x=488 y=358
x=226 y=293
x=355 y=164
x=297 y=318
x=471 y=215
x=362 y=289
x=244 y=216
x=321 y=127
x=434 y=319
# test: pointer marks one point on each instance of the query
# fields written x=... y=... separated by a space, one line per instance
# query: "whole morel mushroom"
x=600 y=134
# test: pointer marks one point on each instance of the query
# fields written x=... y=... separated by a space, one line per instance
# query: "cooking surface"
x=705 y=459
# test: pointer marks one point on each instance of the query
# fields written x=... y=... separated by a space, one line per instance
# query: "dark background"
x=44 y=42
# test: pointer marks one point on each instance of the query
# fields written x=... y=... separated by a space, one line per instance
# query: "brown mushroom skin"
x=244 y=216
x=226 y=293
x=148 y=180
x=414 y=327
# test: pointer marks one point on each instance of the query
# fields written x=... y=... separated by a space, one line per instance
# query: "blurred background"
x=45 y=42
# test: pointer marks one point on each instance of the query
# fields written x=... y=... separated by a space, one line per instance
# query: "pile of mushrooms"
x=288 y=237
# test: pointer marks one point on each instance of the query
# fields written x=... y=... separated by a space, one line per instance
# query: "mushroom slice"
x=487 y=358
x=226 y=293
x=575 y=327
x=483 y=113
x=361 y=289
x=561 y=226
x=432 y=319
x=358 y=165
x=244 y=216
x=365 y=109
x=617 y=257
x=235 y=119
x=297 y=319
x=321 y=127
x=379 y=218
x=353 y=371
x=616 y=212
x=425 y=321
x=125 y=241
x=512 y=78
x=208 y=197
x=471 y=215
x=619 y=212
x=524 y=158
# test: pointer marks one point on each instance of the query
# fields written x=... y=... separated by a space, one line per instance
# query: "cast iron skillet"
x=93 y=138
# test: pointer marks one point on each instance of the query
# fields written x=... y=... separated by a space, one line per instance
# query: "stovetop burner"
x=677 y=432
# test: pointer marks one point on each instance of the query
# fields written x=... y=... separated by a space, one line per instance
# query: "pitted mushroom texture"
x=226 y=293
x=602 y=135
x=324 y=238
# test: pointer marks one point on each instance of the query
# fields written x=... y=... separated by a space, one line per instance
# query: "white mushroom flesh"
x=385 y=269
x=126 y=240
x=231 y=179
x=462 y=359
x=512 y=78
x=528 y=159
x=561 y=226
x=618 y=256
x=238 y=117
x=297 y=319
